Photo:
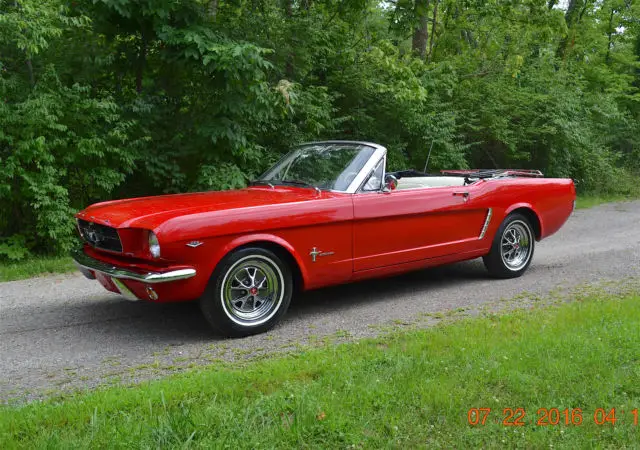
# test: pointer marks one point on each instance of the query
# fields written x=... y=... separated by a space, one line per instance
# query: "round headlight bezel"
x=154 y=245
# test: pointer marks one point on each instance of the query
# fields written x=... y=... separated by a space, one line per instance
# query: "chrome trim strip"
x=87 y=262
x=124 y=290
x=340 y=141
x=486 y=223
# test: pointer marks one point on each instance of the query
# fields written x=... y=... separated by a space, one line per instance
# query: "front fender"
x=257 y=238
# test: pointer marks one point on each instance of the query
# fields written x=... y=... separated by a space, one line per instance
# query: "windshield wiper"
x=260 y=182
x=274 y=183
x=298 y=183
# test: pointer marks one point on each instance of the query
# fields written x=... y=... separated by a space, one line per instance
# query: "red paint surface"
x=370 y=234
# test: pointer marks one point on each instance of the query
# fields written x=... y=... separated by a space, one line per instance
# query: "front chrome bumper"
x=87 y=263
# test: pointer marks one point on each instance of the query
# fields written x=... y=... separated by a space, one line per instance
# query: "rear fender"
x=532 y=208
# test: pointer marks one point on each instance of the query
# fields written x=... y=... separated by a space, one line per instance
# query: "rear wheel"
x=512 y=248
x=248 y=293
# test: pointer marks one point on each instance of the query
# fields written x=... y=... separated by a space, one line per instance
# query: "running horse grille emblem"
x=93 y=235
x=315 y=253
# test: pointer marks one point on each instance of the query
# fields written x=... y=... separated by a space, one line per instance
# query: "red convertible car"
x=326 y=213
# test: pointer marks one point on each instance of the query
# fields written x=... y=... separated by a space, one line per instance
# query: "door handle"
x=465 y=195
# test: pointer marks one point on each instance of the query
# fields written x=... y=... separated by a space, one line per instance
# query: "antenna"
x=428 y=156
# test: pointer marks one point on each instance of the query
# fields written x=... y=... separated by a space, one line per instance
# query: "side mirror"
x=390 y=183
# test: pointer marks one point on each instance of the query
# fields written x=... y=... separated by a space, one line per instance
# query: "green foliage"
x=57 y=144
x=14 y=248
x=104 y=99
x=30 y=24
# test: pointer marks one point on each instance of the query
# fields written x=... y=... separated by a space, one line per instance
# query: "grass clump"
x=589 y=201
x=35 y=266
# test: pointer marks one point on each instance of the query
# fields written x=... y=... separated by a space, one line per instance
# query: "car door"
x=408 y=225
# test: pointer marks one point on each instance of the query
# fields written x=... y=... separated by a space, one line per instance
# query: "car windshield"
x=331 y=166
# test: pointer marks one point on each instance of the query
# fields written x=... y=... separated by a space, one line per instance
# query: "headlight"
x=154 y=245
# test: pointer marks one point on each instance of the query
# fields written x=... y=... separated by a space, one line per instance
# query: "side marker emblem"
x=315 y=253
x=194 y=244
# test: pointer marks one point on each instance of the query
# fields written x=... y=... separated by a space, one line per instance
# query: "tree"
x=104 y=99
x=421 y=29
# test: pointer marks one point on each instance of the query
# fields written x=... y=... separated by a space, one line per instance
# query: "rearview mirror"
x=390 y=183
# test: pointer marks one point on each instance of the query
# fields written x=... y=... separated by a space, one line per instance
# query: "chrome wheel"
x=252 y=290
x=516 y=245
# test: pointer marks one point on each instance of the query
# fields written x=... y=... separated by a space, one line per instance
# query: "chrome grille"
x=100 y=236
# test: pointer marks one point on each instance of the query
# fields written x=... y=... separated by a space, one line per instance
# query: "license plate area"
x=116 y=286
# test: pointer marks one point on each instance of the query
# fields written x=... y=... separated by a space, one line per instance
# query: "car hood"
x=150 y=212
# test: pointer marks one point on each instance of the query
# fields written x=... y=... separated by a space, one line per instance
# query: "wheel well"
x=287 y=257
x=533 y=219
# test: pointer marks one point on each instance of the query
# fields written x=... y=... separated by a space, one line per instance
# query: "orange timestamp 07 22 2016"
x=517 y=417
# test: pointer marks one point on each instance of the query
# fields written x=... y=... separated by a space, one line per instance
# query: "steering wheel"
x=344 y=177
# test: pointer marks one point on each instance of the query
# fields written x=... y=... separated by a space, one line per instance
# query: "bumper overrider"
x=89 y=266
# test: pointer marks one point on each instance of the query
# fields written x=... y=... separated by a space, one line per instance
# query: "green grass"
x=589 y=201
x=10 y=271
x=404 y=390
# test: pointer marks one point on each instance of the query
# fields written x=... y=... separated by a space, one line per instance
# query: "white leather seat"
x=427 y=182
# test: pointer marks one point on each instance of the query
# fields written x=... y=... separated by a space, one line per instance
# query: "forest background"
x=104 y=99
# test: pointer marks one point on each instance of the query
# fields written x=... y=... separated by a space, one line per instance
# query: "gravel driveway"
x=65 y=332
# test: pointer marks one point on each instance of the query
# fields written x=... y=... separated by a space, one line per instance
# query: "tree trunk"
x=610 y=35
x=212 y=9
x=142 y=61
x=636 y=83
x=571 y=16
x=421 y=30
x=289 y=68
x=433 y=30
x=575 y=10
x=32 y=78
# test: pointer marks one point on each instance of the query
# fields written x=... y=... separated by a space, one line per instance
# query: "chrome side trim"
x=124 y=290
x=486 y=223
x=87 y=262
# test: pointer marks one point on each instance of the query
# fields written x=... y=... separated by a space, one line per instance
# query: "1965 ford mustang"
x=326 y=213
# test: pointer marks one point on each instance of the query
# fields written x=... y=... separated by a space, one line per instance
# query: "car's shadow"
x=351 y=295
x=173 y=323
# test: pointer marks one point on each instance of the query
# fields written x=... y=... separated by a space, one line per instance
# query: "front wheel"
x=512 y=248
x=248 y=293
